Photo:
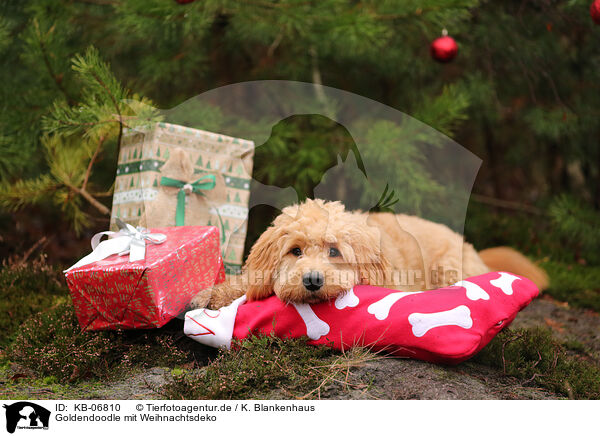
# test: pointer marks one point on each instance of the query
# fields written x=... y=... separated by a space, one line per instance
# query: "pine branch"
x=57 y=80
x=576 y=221
x=22 y=193
x=92 y=161
x=66 y=162
x=90 y=198
x=275 y=6
x=505 y=204
x=92 y=66
x=86 y=124
x=446 y=111
x=97 y=2
x=70 y=158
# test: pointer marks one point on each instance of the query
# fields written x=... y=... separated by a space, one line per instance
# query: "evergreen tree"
x=522 y=93
x=75 y=137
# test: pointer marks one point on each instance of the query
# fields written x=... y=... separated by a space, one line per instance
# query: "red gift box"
x=115 y=293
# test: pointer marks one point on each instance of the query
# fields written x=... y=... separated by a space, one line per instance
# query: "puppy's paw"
x=200 y=300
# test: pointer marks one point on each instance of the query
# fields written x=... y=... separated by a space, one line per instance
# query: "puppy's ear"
x=375 y=273
x=261 y=263
x=372 y=265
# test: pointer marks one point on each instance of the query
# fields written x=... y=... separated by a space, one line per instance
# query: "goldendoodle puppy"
x=316 y=250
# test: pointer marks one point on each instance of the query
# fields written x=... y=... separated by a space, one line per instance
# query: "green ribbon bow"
x=204 y=183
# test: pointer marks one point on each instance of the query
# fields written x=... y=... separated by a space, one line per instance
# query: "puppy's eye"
x=296 y=251
x=334 y=252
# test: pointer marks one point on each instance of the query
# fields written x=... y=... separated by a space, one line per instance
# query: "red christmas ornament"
x=595 y=11
x=185 y=2
x=444 y=48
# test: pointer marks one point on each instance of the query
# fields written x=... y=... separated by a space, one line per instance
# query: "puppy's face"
x=314 y=252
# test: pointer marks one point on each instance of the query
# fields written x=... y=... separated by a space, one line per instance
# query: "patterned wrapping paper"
x=138 y=182
x=117 y=294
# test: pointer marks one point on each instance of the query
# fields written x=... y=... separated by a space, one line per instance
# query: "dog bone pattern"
x=446 y=325
x=315 y=327
x=423 y=322
x=381 y=309
x=347 y=299
x=474 y=291
x=505 y=282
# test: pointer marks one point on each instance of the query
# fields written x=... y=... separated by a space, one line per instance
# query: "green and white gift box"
x=222 y=168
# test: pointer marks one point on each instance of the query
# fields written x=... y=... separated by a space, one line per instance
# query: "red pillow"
x=446 y=325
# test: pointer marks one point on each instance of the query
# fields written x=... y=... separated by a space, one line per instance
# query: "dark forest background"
x=522 y=94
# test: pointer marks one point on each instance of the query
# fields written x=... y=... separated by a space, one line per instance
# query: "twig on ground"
x=504 y=344
x=532 y=378
x=43 y=241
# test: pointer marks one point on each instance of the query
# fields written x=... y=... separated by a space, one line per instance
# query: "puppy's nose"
x=313 y=281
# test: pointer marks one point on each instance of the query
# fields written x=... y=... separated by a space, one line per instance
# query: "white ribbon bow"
x=127 y=240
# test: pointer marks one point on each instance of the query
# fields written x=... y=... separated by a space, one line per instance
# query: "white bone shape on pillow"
x=348 y=299
x=315 y=327
x=423 y=322
x=504 y=282
x=474 y=291
x=381 y=309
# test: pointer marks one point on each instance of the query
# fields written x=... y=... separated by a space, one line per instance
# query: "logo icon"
x=26 y=415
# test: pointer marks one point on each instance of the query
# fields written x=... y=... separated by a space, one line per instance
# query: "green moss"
x=176 y=372
x=535 y=358
x=576 y=346
x=25 y=290
x=255 y=367
x=49 y=380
